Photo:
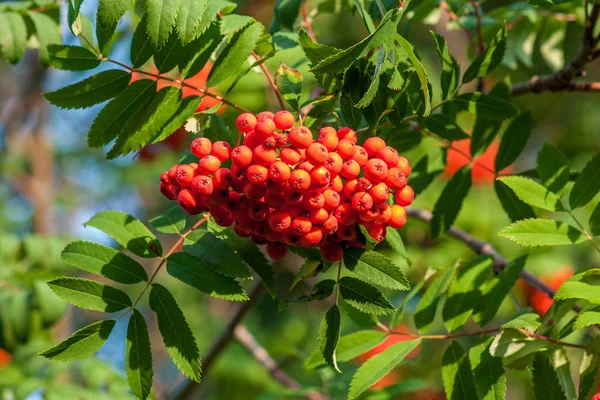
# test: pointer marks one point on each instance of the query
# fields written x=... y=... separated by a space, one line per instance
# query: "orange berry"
x=398 y=217
x=405 y=196
x=380 y=193
x=328 y=137
x=301 y=225
x=385 y=213
x=389 y=156
x=284 y=120
x=188 y=201
x=208 y=164
x=317 y=153
x=252 y=139
x=320 y=177
x=265 y=128
x=281 y=139
x=404 y=166
x=245 y=122
x=299 y=180
x=280 y=220
x=362 y=201
x=222 y=178
x=330 y=226
x=312 y=238
x=332 y=199
x=334 y=163
x=261 y=116
x=290 y=155
x=313 y=200
x=347 y=133
x=363 y=185
x=201 y=147
x=300 y=137
x=241 y=156
x=221 y=150
x=337 y=184
x=202 y=185
x=279 y=172
x=373 y=144
x=369 y=215
x=395 y=179
x=318 y=217
x=264 y=155
x=346 y=149
x=184 y=175
x=345 y=214
x=376 y=170
x=257 y=174
x=350 y=169
x=377 y=232
x=305 y=166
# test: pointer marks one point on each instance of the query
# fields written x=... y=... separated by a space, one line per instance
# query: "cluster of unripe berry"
x=284 y=187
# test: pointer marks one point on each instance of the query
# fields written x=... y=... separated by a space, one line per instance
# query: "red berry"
x=276 y=250
x=317 y=153
x=373 y=144
x=336 y=184
x=279 y=172
x=222 y=178
x=257 y=174
x=345 y=214
x=385 y=213
x=380 y=193
x=184 y=175
x=318 y=217
x=201 y=147
x=290 y=156
x=169 y=191
x=330 y=226
x=320 y=177
x=347 y=133
x=221 y=150
x=328 y=137
x=376 y=170
x=299 y=180
x=301 y=225
x=300 y=137
x=350 y=169
x=395 y=179
x=362 y=201
x=389 y=155
x=313 y=200
x=241 y=156
x=280 y=220
x=346 y=149
x=265 y=128
x=405 y=196
x=284 y=120
x=331 y=199
x=332 y=252
x=261 y=116
x=264 y=155
x=246 y=122
x=208 y=164
x=377 y=232
x=334 y=163
x=312 y=238
x=361 y=156
x=252 y=139
x=202 y=185
x=347 y=232
x=255 y=192
x=404 y=166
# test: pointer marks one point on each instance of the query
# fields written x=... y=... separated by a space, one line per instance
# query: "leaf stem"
x=580 y=225
x=163 y=260
x=337 y=286
x=271 y=81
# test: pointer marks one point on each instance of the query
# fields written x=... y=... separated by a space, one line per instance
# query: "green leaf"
x=450 y=202
x=343 y=59
x=90 y=295
x=586 y=319
x=561 y=365
x=109 y=14
x=485 y=129
x=542 y=232
x=144 y=124
x=47 y=32
x=234 y=22
x=379 y=366
x=545 y=380
x=187 y=107
x=138 y=356
x=450 y=69
x=587 y=184
x=426 y=310
x=71 y=58
x=250 y=253
x=444 y=126
x=489 y=59
x=457 y=375
x=235 y=54
x=578 y=290
x=128 y=231
x=465 y=291
x=213 y=9
x=369 y=241
x=514 y=140
x=514 y=207
x=595 y=221
x=218 y=256
x=177 y=335
x=375 y=268
x=314 y=51
x=171 y=221
x=189 y=18
x=486 y=106
x=321 y=107
x=512 y=345
x=13 y=32
x=552 y=168
x=488 y=372
x=285 y=14
x=112 y=118
x=198 y=52
x=364 y=297
x=289 y=83
x=161 y=18
x=93 y=90
x=105 y=261
x=420 y=70
x=374 y=85
x=194 y=272
x=141 y=45
x=528 y=321
x=533 y=193
x=588 y=370
x=348 y=347
x=170 y=55
x=329 y=335
x=82 y=344
x=320 y=291
x=496 y=290
x=394 y=239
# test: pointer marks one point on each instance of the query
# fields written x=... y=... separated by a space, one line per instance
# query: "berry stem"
x=162 y=263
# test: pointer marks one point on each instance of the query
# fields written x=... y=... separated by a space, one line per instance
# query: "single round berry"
x=172 y=175
x=347 y=232
x=334 y=163
x=377 y=232
x=320 y=177
x=202 y=185
x=404 y=166
x=385 y=213
x=313 y=200
x=389 y=156
x=245 y=122
x=362 y=201
x=328 y=137
x=376 y=170
x=221 y=150
x=330 y=226
x=369 y=215
x=312 y=238
x=257 y=174
x=336 y=184
x=350 y=188
x=252 y=139
x=405 y=196
x=318 y=217
x=361 y=156
x=258 y=211
x=255 y=192
x=208 y=164
x=347 y=133
x=373 y=144
x=279 y=172
x=350 y=169
x=281 y=139
x=331 y=199
x=201 y=147
x=293 y=198
x=395 y=179
x=305 y=166
x=169 y=191
x=222 y=178
x=363 y=185
x=290 y=156
x=264 y=155
x=346 y=149
x=332 y=251
x=317 y=153
x=187 y=201
x=300 y=137
x=380 y=193
x=280 y=220
x=284 y=120
x=299 y=180
x=261 y=116
x=398 y=216
x=184 y=175
x=265 y=128
x=276 y=250
x=345 y=214
x=301 y=225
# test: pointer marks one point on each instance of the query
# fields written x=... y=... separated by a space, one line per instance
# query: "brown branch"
x=480 y=46
x=271 y=81
x=223 y=340
x=245 y=338
x=562 y=79
x=306 y=23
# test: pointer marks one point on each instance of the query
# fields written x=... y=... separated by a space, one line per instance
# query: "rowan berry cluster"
x=284 y=187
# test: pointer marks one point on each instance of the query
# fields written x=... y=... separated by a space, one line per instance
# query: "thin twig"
x=271 y=81
x=307 y=23
x=452 y=15
x=245 y=338
x=162 y=263
x=480 y=47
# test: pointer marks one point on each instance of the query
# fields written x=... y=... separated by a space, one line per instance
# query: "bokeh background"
x=51 y=182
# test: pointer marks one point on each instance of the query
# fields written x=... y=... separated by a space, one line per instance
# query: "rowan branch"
x=562 y=80
x=245 y=338
x=271 y=81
